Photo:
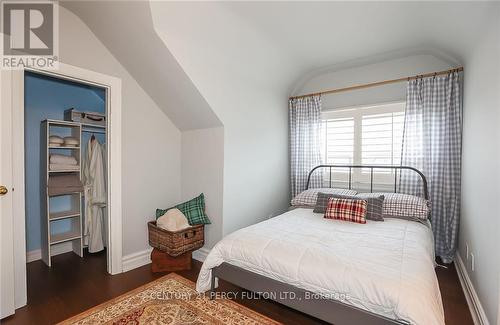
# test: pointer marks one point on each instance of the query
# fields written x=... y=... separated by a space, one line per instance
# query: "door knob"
x=3 y=190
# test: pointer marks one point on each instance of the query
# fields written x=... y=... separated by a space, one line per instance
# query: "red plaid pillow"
x=346 y=209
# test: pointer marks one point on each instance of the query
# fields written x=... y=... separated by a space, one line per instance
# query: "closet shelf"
x=65 y=236
x=64 y=171
x=64 y=147
x=60 y=123
x=73 y=213
x=88 y=125
x=61 y=194
x=63 y=215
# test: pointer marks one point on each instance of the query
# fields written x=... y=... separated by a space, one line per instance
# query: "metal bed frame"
x=329 y=310
x=371 y=167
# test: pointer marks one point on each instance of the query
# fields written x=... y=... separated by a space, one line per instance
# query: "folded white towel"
x=70 y=141
x=60 y=167
x=56 y=139
x=62 y=159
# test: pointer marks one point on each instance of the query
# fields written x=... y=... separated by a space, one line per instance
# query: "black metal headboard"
x=372 y=167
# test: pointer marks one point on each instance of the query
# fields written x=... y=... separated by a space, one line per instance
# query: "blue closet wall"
x=47 y=98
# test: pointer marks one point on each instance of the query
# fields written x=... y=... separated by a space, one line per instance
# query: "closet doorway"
x=65 y=162
x=45 y=127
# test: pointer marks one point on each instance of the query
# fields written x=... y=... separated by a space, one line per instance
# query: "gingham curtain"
x=305 y=132
x=432 y=143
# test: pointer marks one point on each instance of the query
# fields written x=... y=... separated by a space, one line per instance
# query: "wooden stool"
x=162 y=262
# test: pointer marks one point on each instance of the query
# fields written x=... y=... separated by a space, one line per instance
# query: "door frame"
x=7 y=273
x=112 y=86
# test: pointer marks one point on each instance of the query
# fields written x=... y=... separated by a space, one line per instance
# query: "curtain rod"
x=379 y=83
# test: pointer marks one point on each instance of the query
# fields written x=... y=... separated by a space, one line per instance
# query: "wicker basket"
x=175 y=243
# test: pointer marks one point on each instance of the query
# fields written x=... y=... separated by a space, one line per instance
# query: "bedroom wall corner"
x=202 y=171
x=151 y=143
x=249 y=99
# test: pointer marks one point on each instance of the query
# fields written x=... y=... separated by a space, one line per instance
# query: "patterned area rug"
x=171 y=299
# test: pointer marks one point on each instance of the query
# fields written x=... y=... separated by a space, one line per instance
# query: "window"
x=364 y=135
x=381 y=137
x=338 y=140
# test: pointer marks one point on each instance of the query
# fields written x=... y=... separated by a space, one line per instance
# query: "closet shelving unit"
x=74 y=213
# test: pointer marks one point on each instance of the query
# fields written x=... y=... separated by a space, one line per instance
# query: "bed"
x=339 y=272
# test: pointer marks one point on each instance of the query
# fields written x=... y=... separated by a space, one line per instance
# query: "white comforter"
x=384 y=267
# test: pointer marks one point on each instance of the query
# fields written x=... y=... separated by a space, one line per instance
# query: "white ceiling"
x=321 y=34
x=284 y=41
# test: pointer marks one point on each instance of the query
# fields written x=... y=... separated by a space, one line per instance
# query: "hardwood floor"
x=73 y=285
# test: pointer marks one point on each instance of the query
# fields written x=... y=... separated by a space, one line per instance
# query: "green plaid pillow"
x=194 y=210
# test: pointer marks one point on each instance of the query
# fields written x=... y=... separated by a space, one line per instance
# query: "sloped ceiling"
x=230 y=59
x=126 y=29
x=325 y=33
x=296 y=39
x=318 y=35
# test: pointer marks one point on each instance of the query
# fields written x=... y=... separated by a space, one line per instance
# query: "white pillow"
x=173 y=220
x=309 y=197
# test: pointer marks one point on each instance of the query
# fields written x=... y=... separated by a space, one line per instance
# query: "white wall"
x=248 y=92
x=256 y=159
x=385 y=70
x=203 y=172
x=151 y=144
x=480 y=222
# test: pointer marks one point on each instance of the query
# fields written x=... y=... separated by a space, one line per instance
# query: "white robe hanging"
x=95 y=195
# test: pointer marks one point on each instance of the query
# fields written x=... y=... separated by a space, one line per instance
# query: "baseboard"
x=36 y=254
x=476 y=309
x=135 y=260
x=201 y=254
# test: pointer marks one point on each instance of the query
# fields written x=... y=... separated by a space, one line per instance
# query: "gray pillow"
x=375 y=204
